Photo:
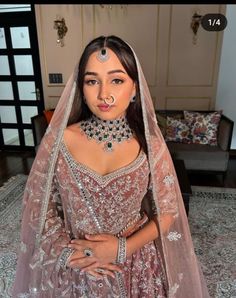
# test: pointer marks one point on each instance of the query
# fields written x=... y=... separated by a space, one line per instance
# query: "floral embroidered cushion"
x=162 y=120
x=204 y=126
x=177 y=130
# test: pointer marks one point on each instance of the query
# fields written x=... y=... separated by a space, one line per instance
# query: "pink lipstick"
x=104 y=107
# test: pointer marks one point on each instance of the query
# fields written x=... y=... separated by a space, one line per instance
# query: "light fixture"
x=195 y=23
x=60 y=26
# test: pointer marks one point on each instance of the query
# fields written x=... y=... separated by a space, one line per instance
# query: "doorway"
x=21 y=92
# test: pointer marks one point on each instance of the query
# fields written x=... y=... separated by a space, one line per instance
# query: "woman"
x=103 y=213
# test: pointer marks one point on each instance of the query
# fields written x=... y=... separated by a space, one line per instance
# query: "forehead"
x=112 y=62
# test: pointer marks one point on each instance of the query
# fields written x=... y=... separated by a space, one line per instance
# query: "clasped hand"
x=104 y=248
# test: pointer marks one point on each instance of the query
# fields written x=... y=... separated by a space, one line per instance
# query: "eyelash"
x=92 y=82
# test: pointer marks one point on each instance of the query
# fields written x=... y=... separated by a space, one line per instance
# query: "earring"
x=133 y=99
x=84 y=99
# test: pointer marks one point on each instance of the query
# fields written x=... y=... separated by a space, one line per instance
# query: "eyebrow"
x=109 y=72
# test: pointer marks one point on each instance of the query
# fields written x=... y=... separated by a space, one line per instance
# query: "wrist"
x=64 y=257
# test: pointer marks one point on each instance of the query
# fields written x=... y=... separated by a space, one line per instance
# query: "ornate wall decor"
x=195 y=23
x=60 y=26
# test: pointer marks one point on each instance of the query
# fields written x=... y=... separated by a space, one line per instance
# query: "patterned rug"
x=212 y=223
x=213 y=227
x=10 y=211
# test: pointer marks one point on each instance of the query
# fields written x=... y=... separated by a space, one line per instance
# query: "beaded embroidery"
x=103 y=180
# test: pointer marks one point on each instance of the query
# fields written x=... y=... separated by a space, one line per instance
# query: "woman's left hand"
x=103 y=246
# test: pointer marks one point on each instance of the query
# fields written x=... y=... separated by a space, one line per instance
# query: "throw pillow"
x=177 y=130
x=161 y=123
x=204 y=126
x=48 y=114
x=162 y=118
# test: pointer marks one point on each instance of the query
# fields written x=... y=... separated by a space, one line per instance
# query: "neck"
x=116 y=120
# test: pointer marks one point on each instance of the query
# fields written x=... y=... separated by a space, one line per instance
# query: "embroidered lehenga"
x=92 y=203
x=64 y=199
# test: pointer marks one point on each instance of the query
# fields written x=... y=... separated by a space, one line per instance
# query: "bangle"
x=121 y=253
x=63 y=258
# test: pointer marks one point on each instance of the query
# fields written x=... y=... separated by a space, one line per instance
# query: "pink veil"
x=183 y=273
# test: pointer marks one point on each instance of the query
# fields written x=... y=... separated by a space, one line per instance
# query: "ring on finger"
x=88 y=252
x=100 y=270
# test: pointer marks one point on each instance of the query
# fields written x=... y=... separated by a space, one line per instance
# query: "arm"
x=148 y=233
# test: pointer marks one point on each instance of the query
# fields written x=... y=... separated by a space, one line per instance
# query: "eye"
x=118 y=81
x=90 y=82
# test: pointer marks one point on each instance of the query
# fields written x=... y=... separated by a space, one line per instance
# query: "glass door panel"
x=26 y=90
x=27 y=113
x=4 y=66
x=2 y=39
x=11 y=136
x=24 y=65
x=6 y=91
x=8 y=114
x=20 y=37
x=29 y=139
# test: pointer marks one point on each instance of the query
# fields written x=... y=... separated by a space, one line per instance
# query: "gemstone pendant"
x=108 y=146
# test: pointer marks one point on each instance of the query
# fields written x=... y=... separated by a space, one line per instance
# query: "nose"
x=103 y=92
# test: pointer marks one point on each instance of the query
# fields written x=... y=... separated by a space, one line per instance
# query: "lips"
x=103 y=106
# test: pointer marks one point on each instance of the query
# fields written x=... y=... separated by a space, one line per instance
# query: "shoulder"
x=71 y=133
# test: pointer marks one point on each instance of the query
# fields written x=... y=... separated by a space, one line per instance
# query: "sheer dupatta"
x=183 y=274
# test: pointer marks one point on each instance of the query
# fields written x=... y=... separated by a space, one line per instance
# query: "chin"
x=108 y=115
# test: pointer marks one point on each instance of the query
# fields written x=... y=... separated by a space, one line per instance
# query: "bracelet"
x=121 y=253
x=62 y=260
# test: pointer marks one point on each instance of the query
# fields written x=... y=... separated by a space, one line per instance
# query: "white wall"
x=226 y=90
x=180 y=74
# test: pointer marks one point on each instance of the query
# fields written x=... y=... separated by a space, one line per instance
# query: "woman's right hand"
x=98 y=270
x=101 y=271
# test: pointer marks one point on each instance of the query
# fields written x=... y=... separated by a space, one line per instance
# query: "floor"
x=13 y=163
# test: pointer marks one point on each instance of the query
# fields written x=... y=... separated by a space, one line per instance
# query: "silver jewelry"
x=100 y=270
x=88 y=252
x=107 y=131
x=133 y=99
x=103 y=55
x=121 y=253
x=110 y=100
x=64 y=257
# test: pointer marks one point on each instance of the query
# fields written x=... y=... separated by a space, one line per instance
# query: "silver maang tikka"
x=103 y=55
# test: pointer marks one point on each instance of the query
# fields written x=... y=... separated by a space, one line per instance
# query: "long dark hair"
x=126 y=57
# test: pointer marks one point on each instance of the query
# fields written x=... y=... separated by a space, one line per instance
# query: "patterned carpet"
x=10 y=211
x=212 y=222
x=213 y=227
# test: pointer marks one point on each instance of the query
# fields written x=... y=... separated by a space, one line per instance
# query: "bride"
x=103 y=213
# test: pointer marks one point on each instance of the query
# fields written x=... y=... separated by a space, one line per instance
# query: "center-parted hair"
x=127 y=59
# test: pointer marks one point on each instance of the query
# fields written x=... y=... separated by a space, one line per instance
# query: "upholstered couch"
x=200 y=157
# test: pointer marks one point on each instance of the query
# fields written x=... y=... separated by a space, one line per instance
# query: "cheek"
x=124 y=96
x=90 y=93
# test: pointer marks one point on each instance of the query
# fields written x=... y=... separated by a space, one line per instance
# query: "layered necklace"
x=107 y=131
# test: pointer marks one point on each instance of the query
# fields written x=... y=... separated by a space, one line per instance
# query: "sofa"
x=205 y=158
x=197 y=157
x=39 y=125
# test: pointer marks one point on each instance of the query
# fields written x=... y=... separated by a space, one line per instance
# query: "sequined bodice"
x=101 y=203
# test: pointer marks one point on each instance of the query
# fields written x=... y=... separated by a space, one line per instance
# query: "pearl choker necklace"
x=107 y=131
